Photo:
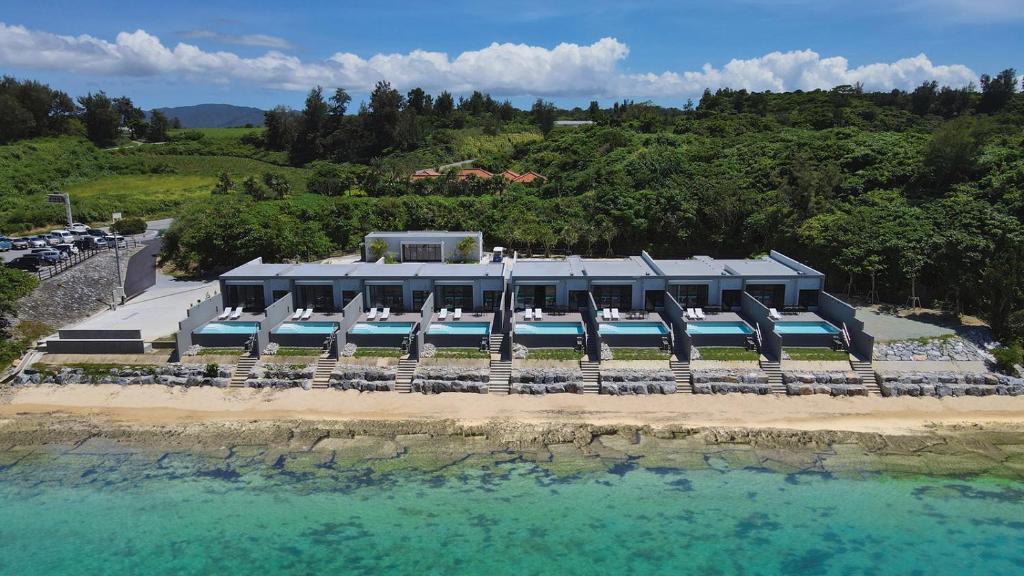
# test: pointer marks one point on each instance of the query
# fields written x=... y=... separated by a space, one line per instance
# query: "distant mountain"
x=214 y=115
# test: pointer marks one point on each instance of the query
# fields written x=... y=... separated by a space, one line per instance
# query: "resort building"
x=426 y=246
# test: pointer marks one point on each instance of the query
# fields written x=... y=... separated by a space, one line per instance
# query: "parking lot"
x=154 y=227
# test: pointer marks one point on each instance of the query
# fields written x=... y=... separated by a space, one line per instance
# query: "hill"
x=214 y=115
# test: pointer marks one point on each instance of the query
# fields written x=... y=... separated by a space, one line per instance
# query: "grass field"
x=727 y=354
x=460 y=353
x=553 y=354
x=640 y=354
x=817 y=354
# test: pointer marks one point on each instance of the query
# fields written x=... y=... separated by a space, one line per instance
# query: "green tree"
x=252 y=187
x=307 y=145
x=378 y=249
x=129 y=226
x=224 y=183
x=100 y=118
x=158 y=126
x=280 y=128
x=543 y=115
x=467 y=249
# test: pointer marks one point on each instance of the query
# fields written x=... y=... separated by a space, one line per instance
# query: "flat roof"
x=759 y=267
x=424 y=233
x=691 y=267
x=561 y=268
x=631 y=267
x=256 y=269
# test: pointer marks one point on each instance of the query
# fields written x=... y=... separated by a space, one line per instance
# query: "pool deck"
x=471 y=317
x=719 y=317
x=559 y=317
x=392 y=317
x=801 y=317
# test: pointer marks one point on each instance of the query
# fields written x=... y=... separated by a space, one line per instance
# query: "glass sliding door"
x=690 y=295
x=535 y=296
x=386 y=296
x=248 y=296
x=421 y=253
x=613 y=296
x=319 y=297
x=771 y=295
x=455 y=296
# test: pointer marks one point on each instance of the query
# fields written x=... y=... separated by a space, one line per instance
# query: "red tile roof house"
x=530 y=177
x=477 y=172
x=424 y=174
x=510 y=175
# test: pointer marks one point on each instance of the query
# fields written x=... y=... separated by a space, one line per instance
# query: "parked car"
x=53 y=240
x=68 y=249
x=37 y=242
x=96 y=233
x=92 y=242
x=79 y=228
x=20 y=243
x=28 y=263
x=63 y=235
x=5 y=244
x=121 y=242
x=49 y=254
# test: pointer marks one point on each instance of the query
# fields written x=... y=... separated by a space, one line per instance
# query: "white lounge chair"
x=528 y=314
x=538 y=314
x=774 y=314
x=224 y=314
x=691 y=314
x=236 y=313
x=298 y=314
x=385 y=313
x=606 y=313
x=307 y=313
x=457 y=314
x=615 y=314
x=372 y=314
x=442 y=314
x=699 y=312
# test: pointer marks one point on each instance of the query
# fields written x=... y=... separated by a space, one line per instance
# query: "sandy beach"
x=165 y=405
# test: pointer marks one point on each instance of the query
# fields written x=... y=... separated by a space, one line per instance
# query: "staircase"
x=681 y=370
x=496 y=343
x=591 y=376
x=774 y=371
x=242 y=369
x=866 y=371
x=322 y=375
x=500 y=374
x=406 y=370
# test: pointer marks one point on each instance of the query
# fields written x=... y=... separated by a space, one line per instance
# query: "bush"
x=129 y=226
x=212 y=370
x=1008 y=357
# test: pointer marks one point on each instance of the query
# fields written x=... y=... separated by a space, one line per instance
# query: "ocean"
x=255 y=513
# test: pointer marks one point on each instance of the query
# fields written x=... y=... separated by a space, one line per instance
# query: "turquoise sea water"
x=181 y=515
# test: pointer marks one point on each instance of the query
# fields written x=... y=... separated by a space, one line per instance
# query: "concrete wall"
x=794 y=264
x=676 y=320
x=77 y=334
x=838 y=312
x=593 y=337
x=448 y=242
x=349 y=316
x=756 y=314
x=426 y=316
x=95 y=346
x=273 y=315
x=197 y=316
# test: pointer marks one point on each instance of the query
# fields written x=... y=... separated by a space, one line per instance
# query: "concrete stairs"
x=496 y=343
x=406 y=370
x=242 y=369
x=866 y=371
x=498 y=380
x=774 y=371
x=591 y=376
x=681 y=370
x=322 y=375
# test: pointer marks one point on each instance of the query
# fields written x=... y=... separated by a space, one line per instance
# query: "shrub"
x=1008 y=357
x=212 y=370
x=129 y=226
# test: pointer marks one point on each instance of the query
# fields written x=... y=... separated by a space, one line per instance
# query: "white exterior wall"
x=448 y=242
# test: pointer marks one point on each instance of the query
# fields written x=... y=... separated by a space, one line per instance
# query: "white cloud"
x=567 y=70
x=259 y=40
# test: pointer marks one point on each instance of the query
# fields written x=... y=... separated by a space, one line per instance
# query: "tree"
x=339 y=102
x=444 y=105
x=158 y=125
x=252 y=187
x=383 y=115
x=129 y=226
x=923 y=98
x=100 y=118
x=276 y=184
x=466 y=248
x=418 y=101
x=543 y=115
x=950 y=156
x=594 y=112
x=280 y=128
x=307 y=144
x=224 y=184
x=997 y=92
x=176 y=123
x=131 y=117
x=378 y=248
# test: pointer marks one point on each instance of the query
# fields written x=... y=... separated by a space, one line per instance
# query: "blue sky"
x=261 y=53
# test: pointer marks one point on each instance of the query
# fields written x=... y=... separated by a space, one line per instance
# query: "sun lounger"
x=307 y=313
x=224 y=314
x=774 y=314
x=372 y=314
x=528 y=314
x=457 y=314
x=385 y=313
x=700 y=313
x=538 y=314
x=442 y=314
x=615 y=314
x=691 y=314
x=236 y=313
x=606 y=313
x=298 y=314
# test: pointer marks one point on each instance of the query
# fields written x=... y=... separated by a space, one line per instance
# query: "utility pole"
x=62 y=198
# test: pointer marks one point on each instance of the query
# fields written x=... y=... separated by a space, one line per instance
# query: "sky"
x=262 y=54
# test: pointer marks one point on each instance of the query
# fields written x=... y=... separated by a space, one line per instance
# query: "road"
x=141 y=271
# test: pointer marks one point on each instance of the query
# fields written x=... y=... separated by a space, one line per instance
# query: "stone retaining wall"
x=437 y=379
x=546 y=380
x=726 y=381
x=363 y=378
x=942 y=384
x=169 y=375
x=935 y=349
x=831 y=383
x=637 y=381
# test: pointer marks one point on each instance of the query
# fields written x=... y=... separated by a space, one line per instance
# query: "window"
x=248 y=296
x=460 y=296
x=539 y=296
x=578 y=299
x=771 y=295
x=492 y=300
x=419 y=298
x=389 y=296
x=614 y=296
x=654 y=299
x=732 y=299
x=808 y=299
x=319 y=297
x=691 y=295
x=278 y=294
x=421 y=253
x=348 y=296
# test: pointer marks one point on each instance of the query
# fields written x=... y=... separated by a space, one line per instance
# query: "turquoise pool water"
x=472 y=328
x=633 y=328
x=306 y=328
x=381 y=328
x=805 y=328
x=563 y=328
x=249 y=513
x=228 y=328
x=719 y=328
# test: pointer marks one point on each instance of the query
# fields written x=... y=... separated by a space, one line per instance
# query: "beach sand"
x=166 y=405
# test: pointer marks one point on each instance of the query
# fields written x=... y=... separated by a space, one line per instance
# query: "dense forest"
x=891 y=194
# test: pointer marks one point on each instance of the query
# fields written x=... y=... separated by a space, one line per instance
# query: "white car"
x=111 y=238
x=79 y=228
x=65 y=236
x=37 y=242
x=53 y=240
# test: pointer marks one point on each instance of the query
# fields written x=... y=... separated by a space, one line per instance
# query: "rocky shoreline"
x=566 y=448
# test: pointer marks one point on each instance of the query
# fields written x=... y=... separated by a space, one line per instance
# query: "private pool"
x=553 y=328
x=306 y=328
x=228 y=328
x=646 y=328
x=739 y=328
x=461 y=328
x=820 y=327
x=381 y=328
